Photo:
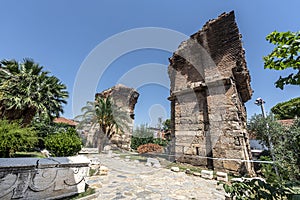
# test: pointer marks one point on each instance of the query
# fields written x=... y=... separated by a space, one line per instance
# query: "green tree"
x=288 y=109
x=26 y=90
x=262 y=128
x=286 y=144
x=287 y=152
x=104 y=113
x=167 y=125
x=284 y=56
x=141 y=135
x=14 y=138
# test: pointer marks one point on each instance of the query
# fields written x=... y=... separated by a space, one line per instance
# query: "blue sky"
x=61 y=34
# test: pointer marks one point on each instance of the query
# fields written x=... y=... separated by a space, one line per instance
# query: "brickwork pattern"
x=210 y=83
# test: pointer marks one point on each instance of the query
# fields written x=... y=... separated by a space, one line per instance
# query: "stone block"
x=222 y=176
x=95 y=161
x=231 y=165
x=157 y=165
x=36 y=178
x=89 y=151
x=107 y=148
x=207 y=174
x=196 y=174
x=175 y=169
x=152 y=162
x=103 y=170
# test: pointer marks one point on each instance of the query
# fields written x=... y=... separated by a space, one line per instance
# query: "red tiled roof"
x=65 y=121
x=286 y=122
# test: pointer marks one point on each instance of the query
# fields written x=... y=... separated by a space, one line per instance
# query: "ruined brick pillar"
x=124 y=98
x=210 y=83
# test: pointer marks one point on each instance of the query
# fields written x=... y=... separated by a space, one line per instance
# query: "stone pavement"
x=129 y=179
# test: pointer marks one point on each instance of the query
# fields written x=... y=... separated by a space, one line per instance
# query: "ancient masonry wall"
x=210 y=83
x=42 y=178
x=125 y=99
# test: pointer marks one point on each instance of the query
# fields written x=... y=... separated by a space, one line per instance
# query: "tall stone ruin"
x=210 y=83
x=124 y=98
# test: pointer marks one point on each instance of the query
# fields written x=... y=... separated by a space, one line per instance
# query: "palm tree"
x=26 y=91
x=105 y=115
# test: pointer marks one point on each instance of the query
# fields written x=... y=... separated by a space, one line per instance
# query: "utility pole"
x=260 y=102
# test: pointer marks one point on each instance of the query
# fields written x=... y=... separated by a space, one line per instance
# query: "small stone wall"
x=42 y=178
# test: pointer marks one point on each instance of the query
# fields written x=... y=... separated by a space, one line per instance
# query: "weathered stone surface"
x=103 y=170
x=175 y=169
x=207 y=174
x=196 y=174
x=210 y=83
x=153 y=162
x=129 y=180
x=89 y=151
x=222 y=176
x=34 y=178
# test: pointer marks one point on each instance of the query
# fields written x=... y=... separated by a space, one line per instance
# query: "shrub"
x=258 y=189
x=15 y=138
x=45 y=127
x=160 y=142
x=65 y=143
x=137 y=141
x=146 y=148
x=144 y=135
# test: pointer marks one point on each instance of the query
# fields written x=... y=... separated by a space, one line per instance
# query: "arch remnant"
x=124 y=99
x=210 y=83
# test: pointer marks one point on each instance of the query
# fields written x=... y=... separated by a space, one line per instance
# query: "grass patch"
x=92 y=172
x=34 y=154
x=88 y=191
x=134 y=157
x=184 y=167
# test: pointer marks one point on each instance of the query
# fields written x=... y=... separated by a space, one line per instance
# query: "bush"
x=65 y=143
x=258 y=189
x=146 y=148
x=160 y=142
x=137 y=141
x=44 y=128
x=143 y=135
x=15 y=138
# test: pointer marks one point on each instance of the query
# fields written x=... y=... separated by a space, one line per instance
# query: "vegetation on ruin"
x=284 y=56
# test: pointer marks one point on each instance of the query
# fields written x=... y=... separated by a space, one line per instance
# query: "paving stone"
x=126 y=180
